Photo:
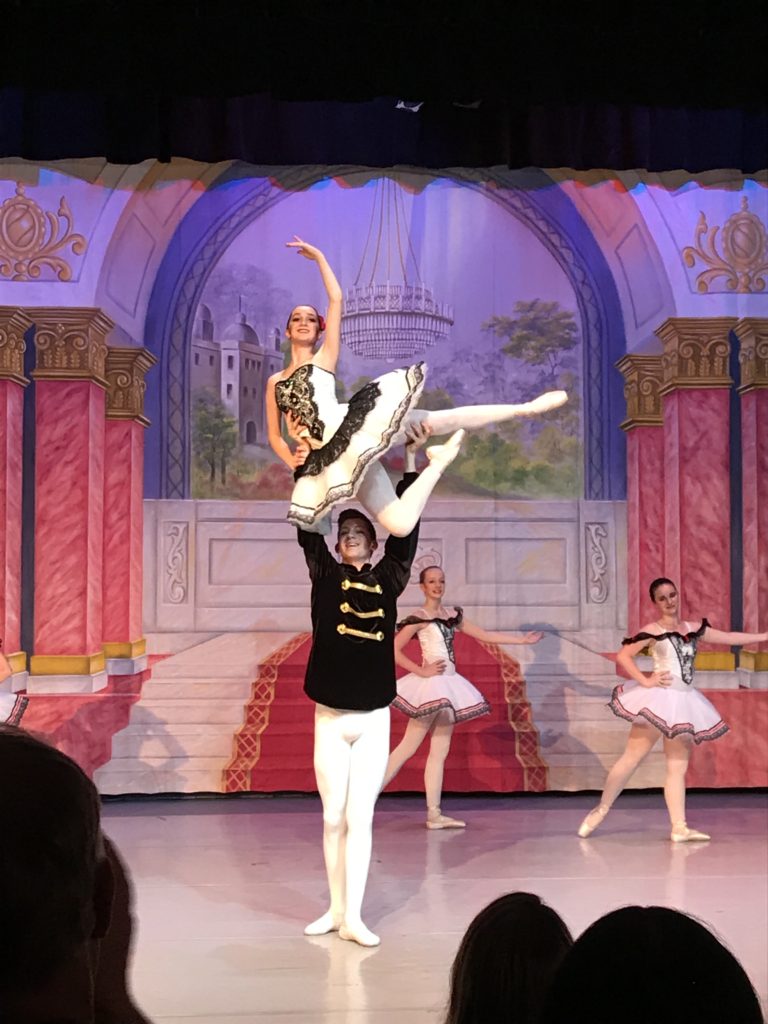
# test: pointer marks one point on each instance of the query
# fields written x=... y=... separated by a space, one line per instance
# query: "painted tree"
x=539 y=333
x=214 y=435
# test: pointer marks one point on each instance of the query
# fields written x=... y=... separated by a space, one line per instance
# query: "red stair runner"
x=497 y=753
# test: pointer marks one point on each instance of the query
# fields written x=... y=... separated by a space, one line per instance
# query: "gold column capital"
x=14 y=324
x=752 y=332
x=71 y=343
x=696 y=352
x=126 y=369
x=642 y=385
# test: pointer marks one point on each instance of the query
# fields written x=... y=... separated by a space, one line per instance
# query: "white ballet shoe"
x=544 y=403
x=595 y=817
x=682 y=834
x=437 y=820
x=323 y=925
x=442 y=455
x=358 y=933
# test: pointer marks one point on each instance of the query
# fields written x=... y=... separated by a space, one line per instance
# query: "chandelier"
x=385 y=318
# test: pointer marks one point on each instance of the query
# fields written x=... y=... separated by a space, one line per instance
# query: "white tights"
x=677 y=752
x=350 y=758
x=398 y=516
x=440 y=728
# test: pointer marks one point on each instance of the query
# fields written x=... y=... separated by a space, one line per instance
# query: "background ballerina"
x=664 y=704
x=339 y=444
x=434 y=695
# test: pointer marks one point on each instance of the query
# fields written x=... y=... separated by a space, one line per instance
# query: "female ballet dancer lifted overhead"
x=340 y=444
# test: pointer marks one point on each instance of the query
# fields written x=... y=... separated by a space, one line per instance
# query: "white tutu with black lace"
x=418 y=696
x=345 y=437
x=677 y=709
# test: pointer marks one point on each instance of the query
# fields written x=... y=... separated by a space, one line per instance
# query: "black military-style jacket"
x=352 y=661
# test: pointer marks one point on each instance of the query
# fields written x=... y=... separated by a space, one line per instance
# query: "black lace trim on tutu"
x=416 y=620
x=685 y=637
x=301 y=516
x=296 y=394
x=442 y=704
x=670 y=731
x=360 y=404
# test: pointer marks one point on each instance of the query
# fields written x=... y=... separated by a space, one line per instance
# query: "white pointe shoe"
x=358 y=933
x=544 y=403
x=323 y=925
x=682 y=834
x=437 y=820
x=442 y=455
x=595 y=817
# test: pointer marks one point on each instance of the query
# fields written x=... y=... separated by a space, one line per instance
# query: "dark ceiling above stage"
x=292 y=81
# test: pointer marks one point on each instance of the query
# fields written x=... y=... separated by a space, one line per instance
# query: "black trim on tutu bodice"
x=417 y=620
x=684 y=645
x=359 y=405
x=667 y=636
x=446 y=626
x=296 y=395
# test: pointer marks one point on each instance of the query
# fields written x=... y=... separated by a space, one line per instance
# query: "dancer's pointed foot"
x=329 y=922
x=592 y=820
x=682 y=834
x=442 y=455
x=357 y=932
x=435 y=819
x=544 y=403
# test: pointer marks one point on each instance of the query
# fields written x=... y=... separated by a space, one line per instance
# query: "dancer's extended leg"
x=368 y=763
x=640 y=743
x=413 y=736
x=333 y=755
x=471 y=417
x=399 y=515
x=439 y=745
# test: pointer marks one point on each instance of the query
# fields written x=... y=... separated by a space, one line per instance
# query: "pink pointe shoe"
x=592 y=820
x=437 y=820
x=682 y=834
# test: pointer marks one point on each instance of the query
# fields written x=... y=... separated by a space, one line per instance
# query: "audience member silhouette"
x=650 y=965
x=506 y=962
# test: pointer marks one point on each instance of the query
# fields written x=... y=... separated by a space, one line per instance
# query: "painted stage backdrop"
x=154 y=604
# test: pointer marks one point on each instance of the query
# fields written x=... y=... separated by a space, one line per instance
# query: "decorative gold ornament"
x=30 y=237
x=642 y=390
x=744 y=260
x=696 y=352
x=70 y=343
x=752 y=333
x=14 y=323
x=125 y=372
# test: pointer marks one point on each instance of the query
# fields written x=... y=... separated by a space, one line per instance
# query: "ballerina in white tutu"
x=433 y=695
x=664 y=704
x=340 y=443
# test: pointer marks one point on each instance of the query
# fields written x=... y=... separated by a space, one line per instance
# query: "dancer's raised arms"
x=327 y=355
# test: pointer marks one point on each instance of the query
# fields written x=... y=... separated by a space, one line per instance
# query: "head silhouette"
x=650 y=965
x=506 y=961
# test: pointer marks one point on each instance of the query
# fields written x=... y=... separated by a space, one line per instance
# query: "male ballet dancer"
x=351 y=677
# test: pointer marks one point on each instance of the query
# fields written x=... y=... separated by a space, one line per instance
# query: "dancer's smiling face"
x=433 y=583
x=666 y=599
x=354 y=543
x=303 y=325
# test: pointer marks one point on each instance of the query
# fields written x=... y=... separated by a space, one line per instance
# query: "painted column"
x=70 y=409
x=14 y=323
x=124 y=644
x=645 y=482
x=696 y=409
x=752 y=333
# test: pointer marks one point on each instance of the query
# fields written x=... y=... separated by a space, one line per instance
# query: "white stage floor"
x=225 y=886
